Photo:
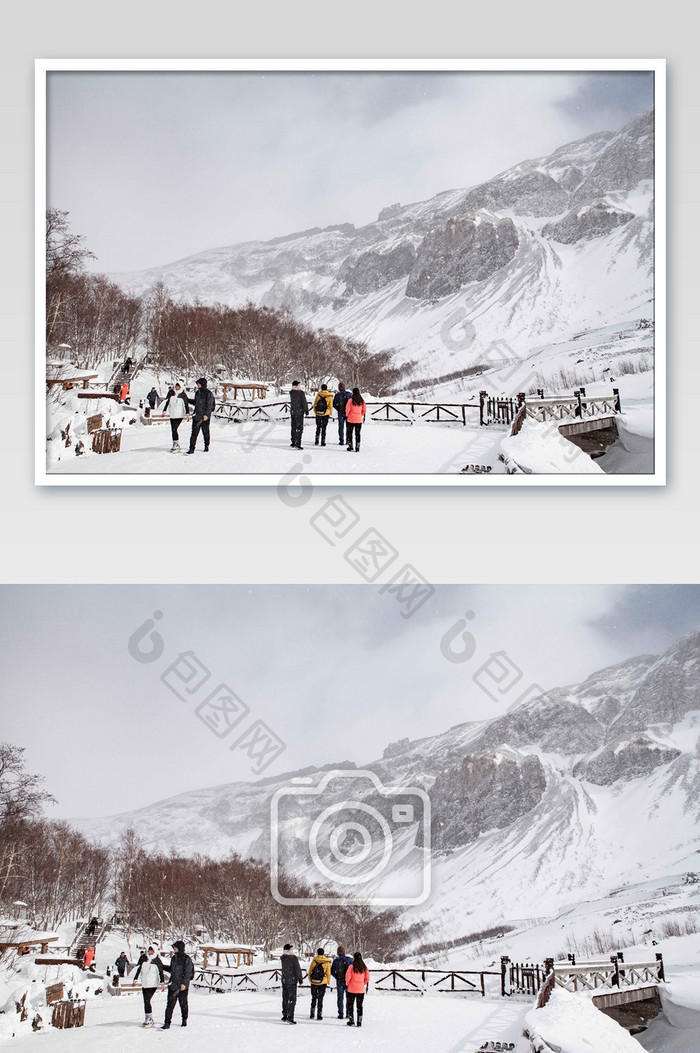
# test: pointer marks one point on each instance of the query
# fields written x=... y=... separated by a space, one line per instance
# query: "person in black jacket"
x=203 y=408
x=123 y=964
x=181 y=971
x=339 y=402
x=298 y=408
x=153 y=398
x=291 y=977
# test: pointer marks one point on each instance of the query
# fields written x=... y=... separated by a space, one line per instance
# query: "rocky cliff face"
x=622 y=761
x=593 y=222
x=668 y=693
x=530 y=193
x=466 y=249
x=627 y=161
x=552 y=724
x=489 y=790
x=372 y=270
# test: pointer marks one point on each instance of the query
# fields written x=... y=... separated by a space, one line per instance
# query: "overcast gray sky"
x=109 y=736
x=157 y=166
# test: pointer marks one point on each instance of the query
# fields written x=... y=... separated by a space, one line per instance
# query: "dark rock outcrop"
x=372 y=270
x=466 y=249
x=668 y=693
x=529 y=193
x=624 y=761
x=593 y=222
x=487 y=791
x=626 y=161
x=553 y=725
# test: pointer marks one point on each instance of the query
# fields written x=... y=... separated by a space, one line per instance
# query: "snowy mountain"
x=577 y=792
x=551 y=248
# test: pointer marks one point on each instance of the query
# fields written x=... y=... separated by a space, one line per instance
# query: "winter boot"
x=184 y=1023
x=359 y=1019
x=165 y=1027
x=351 y=1022
x=313 y=1013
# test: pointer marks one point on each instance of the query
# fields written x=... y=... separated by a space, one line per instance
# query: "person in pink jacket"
x=355 y=410
x=356 y=980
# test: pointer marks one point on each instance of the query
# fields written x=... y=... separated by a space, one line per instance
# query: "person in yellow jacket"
x=322 y=408
x=319 y=977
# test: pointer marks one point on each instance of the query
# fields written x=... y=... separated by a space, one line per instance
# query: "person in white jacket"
x=150 y=969
x=177 y=406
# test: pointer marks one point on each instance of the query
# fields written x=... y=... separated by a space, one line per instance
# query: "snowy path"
x=264 y=448
x=251 y=1022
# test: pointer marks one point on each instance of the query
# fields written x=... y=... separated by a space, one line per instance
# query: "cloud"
x=156 y=166
x=612 y=97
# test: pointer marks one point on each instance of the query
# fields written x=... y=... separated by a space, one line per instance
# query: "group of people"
x=350 y=408
x=178 y=407
x=351 y=977
x=151 y=971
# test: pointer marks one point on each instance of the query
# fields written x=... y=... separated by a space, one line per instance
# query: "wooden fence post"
x=618 y=403
x=482 y=400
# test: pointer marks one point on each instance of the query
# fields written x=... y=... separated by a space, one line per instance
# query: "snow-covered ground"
x=251 y=1022
x=263 y=447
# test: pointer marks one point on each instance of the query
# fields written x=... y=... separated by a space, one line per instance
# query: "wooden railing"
x=396 y=412
x=573 y=407
x=220 y=980
x=418 y=981
x=424 y=980
x=614 y=973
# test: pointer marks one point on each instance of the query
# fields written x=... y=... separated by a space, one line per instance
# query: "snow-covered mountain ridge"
x=585 y=789
x=552 y=247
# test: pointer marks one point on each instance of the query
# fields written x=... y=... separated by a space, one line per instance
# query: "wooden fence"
x=417 y=981
x=107 y=440
x=614 y=973
x=393 y=412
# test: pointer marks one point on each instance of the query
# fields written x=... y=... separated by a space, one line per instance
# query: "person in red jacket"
x=356 y=980
x=355 y=410
x=89 y=957
x=124 y=391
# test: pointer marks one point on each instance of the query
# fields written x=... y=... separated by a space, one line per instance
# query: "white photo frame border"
x=656 y=66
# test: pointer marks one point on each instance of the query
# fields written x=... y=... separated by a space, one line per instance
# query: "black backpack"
x=321 y=405
x=342 y=969
x=318 y=974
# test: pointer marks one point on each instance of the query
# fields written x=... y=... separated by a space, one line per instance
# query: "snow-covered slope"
x=553 y=247
x=570 y=795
